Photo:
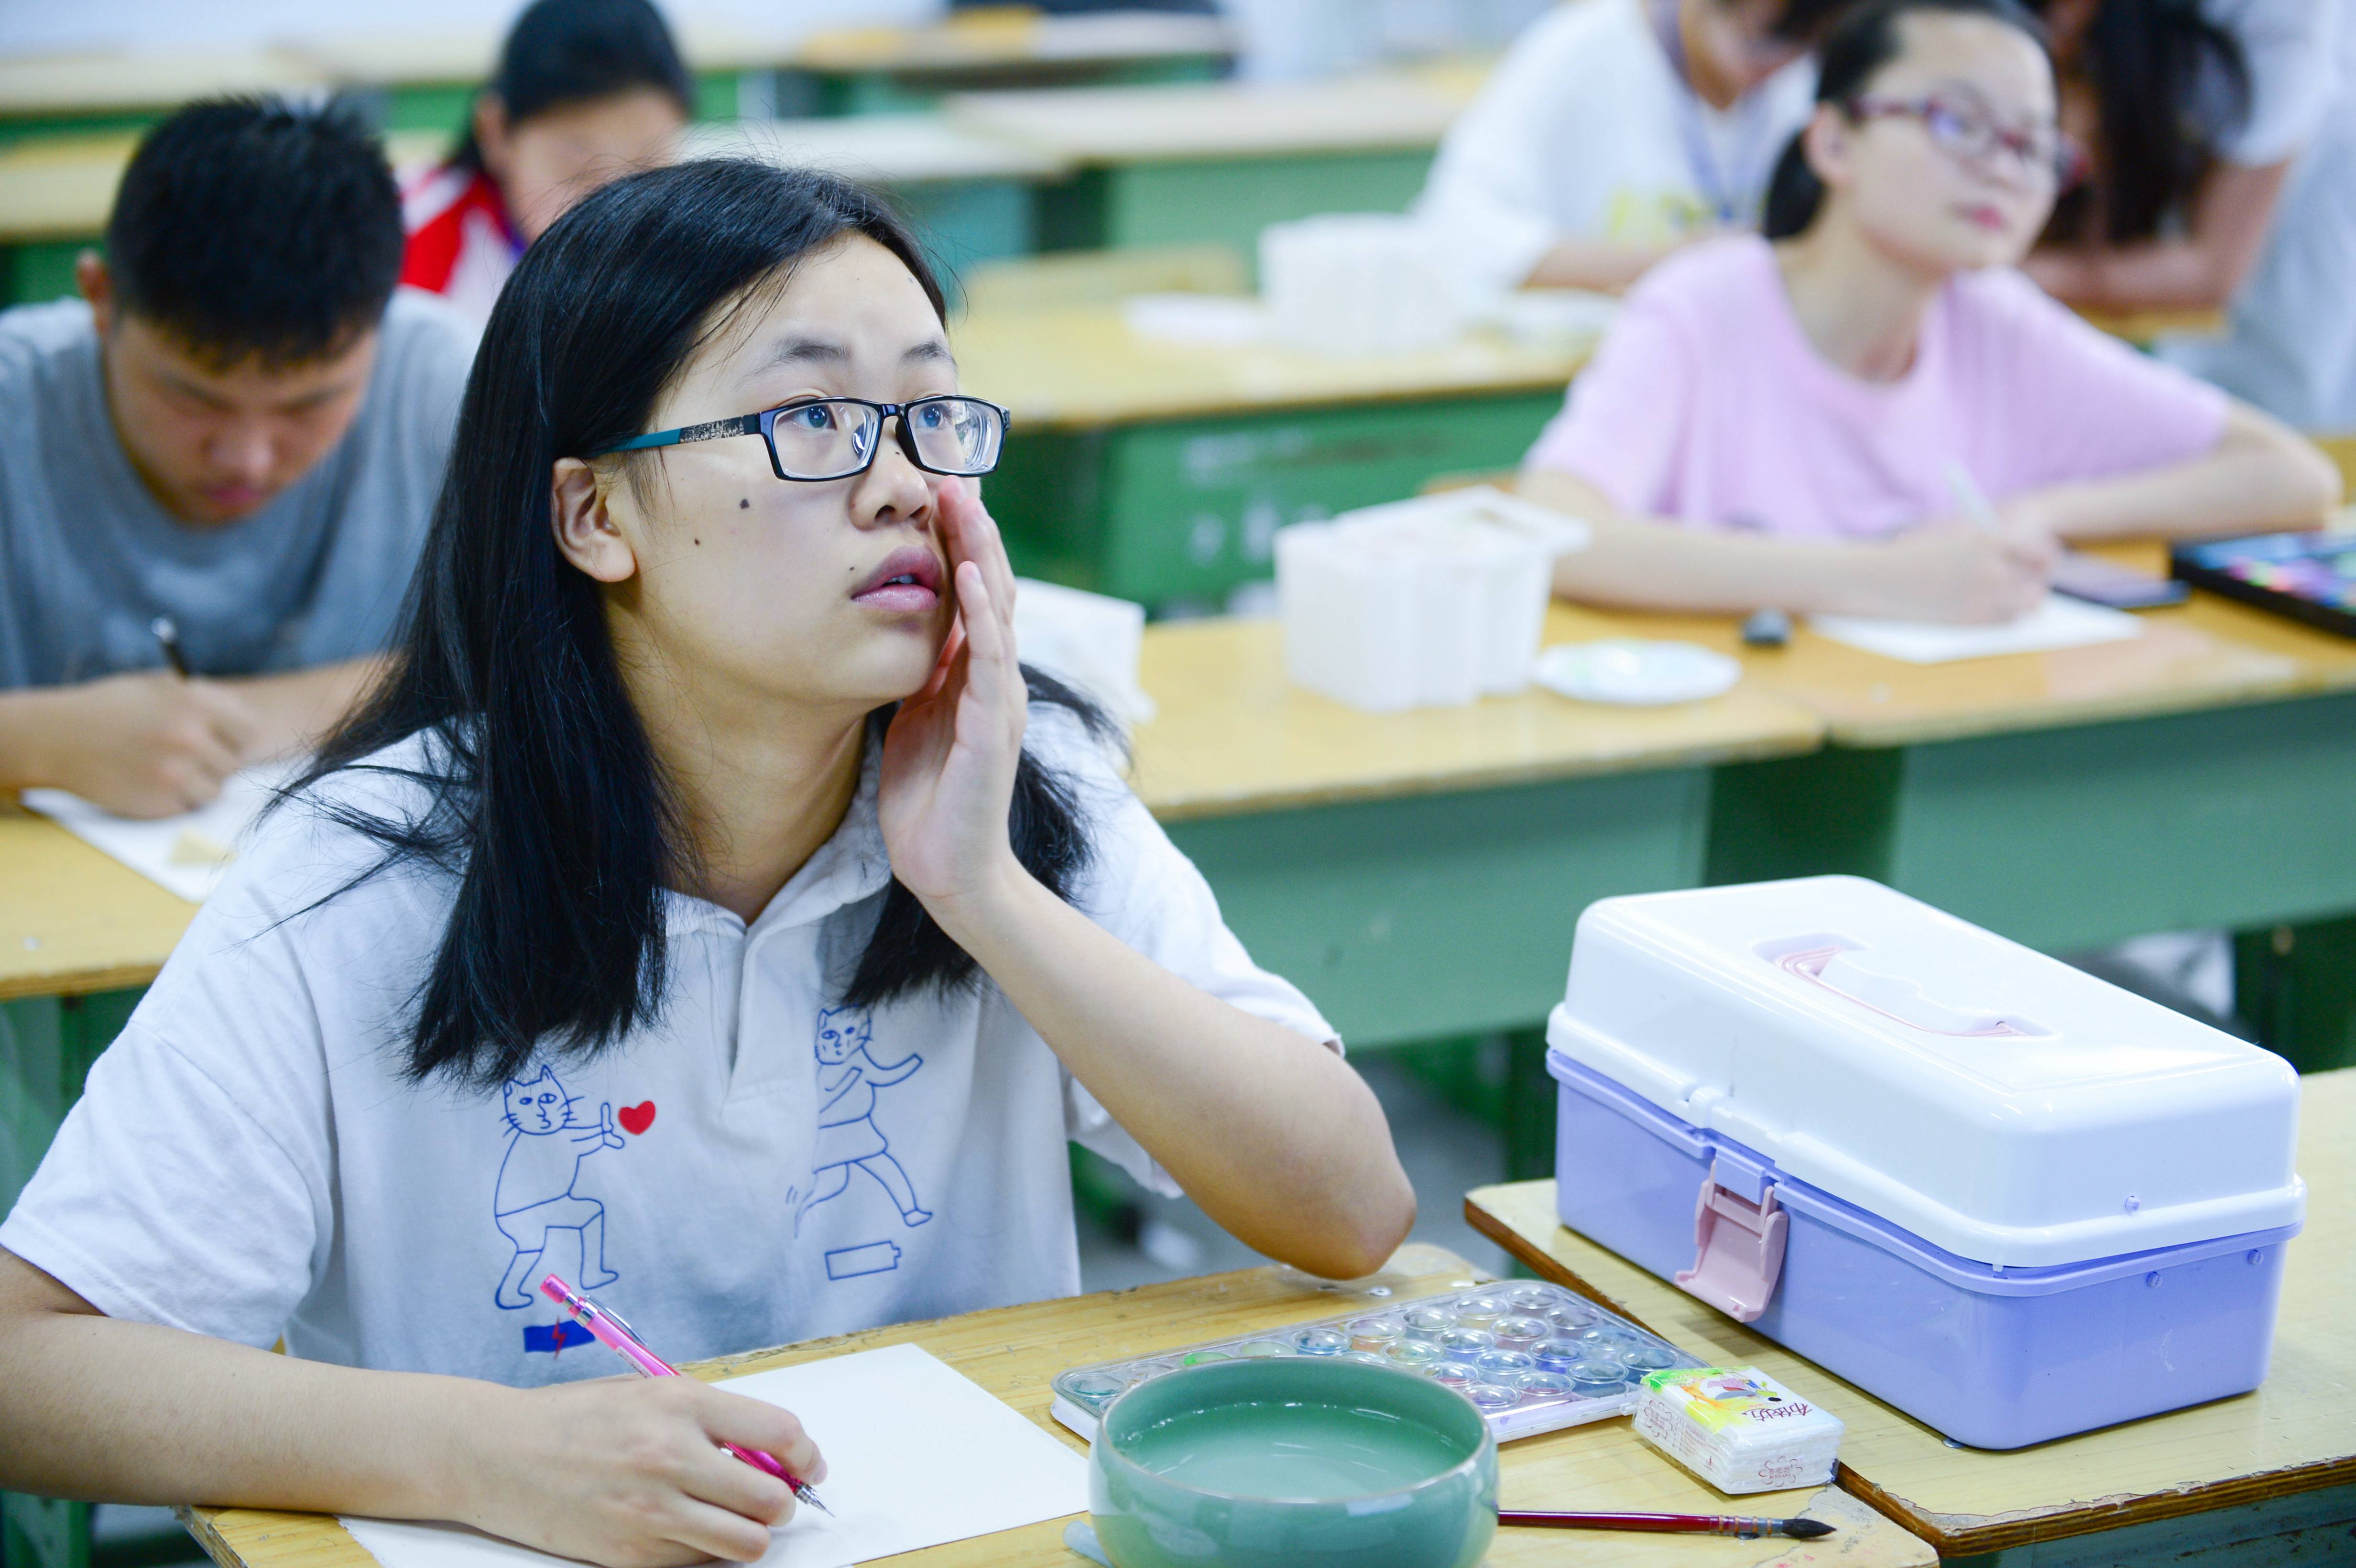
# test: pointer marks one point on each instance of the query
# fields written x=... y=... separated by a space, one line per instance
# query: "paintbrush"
x=1742 y=1528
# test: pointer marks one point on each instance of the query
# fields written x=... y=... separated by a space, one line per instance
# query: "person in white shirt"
x=708 y=912
x=2223 y=134
x=1615 y=131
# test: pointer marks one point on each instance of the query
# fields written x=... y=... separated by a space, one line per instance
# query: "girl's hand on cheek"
x=949 y=756
x=628 y=1472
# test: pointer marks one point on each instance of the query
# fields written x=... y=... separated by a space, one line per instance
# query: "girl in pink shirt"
x=1776 y=422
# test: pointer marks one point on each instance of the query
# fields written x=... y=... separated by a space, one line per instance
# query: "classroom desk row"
x=1420 y=874
x=424 y=73
x=983 y=175
x=2267 y=1477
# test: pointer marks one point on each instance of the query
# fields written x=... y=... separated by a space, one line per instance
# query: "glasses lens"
x=826 y=440
x=956 y=435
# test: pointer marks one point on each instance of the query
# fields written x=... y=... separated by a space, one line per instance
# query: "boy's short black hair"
x=257 y=229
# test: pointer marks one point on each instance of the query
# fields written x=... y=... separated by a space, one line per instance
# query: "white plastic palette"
x=1533 y=1357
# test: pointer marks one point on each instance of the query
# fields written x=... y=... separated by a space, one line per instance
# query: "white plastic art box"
x=2007 y=1198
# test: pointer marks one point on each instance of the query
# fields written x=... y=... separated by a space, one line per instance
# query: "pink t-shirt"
x=1708 y=403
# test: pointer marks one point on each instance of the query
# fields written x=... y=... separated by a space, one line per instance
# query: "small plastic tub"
x=1096 y=1389
x=1570 y=1317
x=1519 y=1333
x=1597 y=1378
x=1533 y=1299
x=1204 y=1358
x=1543 y=1385
x=1493 y=1396
x=1429 y=1321
x=1482 y=1311
x=1504 y=1363
x=1376 y=1334
x=1467 y=1342
x=1258 y=1347
x=1455 y=1374
x=1417 y=1353
x=1557 y=1355
x=1642 y=1358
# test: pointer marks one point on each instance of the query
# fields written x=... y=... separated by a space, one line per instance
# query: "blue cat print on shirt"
x=535 y=1192
x=847 y=1134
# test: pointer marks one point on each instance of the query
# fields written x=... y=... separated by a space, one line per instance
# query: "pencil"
x=1742 y=1527
x=168 y=637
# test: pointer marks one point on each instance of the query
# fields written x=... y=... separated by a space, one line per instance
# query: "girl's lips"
x=908 y=581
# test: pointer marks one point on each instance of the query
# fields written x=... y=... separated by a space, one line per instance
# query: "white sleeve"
x=1144 y=890
x=2289 y=49
x=1487 y=192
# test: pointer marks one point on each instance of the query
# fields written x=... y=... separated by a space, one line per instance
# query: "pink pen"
x=617 y=1335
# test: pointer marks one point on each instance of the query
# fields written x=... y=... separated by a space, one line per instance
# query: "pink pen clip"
x=610 y=1332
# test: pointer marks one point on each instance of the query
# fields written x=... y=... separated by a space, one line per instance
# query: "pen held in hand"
x=168 y=637
x=1739 y=1526
x=617 y=1337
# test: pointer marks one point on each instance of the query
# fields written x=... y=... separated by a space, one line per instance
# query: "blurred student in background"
x=586 y=91
x=1615 y=131
x=237 y=427
x=1797 y=420
x=2224 y=141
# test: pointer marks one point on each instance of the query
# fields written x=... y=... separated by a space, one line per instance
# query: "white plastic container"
x=1738 y=1428
x=1429 y=602
x=2006 y=1197
x=1090 y=640
x=1359 y=284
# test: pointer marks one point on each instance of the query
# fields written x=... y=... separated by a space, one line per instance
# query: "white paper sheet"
x=2058 y=623
x=187 y=854
x=916 y=1454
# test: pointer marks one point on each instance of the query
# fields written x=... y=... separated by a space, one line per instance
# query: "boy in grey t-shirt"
x=239 y=428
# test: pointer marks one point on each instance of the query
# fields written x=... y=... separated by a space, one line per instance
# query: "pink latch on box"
x=1737 y=1243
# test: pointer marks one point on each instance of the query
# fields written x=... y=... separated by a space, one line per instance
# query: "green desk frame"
x=2075 y=837
x=1185 y=510
x=1193 y=201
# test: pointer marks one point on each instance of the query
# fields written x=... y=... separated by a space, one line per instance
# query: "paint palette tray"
x=2309 y=577
x=1534 y=1357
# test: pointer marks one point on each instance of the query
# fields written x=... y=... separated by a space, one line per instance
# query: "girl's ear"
x=1827 y=142
x=586 y=532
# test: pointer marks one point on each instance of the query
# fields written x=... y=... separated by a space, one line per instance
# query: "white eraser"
x=1738 y=1428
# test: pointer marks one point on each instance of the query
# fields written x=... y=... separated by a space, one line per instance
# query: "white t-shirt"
x=757 y=1167
x=2291 y=346
x=1586 y=131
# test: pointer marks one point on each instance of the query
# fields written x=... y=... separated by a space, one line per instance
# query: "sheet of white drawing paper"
x=2060 y=623
x=187 y=854
x=916 y=1454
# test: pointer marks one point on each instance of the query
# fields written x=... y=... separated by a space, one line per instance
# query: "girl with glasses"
x=1801 y=420
x=709 y=910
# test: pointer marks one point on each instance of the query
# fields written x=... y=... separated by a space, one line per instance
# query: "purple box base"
x=1993 y=1358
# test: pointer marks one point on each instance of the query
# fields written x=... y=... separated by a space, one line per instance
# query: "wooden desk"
x=2247 y=1479
x=1185 y=165
x=1014 y=1352
x=63 y=88
x=1159 y=471
x=866 y=70
x=1420 y=874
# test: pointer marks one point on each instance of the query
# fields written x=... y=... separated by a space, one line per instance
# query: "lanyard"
x=1724 y=196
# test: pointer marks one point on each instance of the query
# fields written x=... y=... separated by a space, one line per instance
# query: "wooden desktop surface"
x=1014 y=1352
x=119 y=81
x=364 y=55
x=2295 y=1434
x=1080 y=367
x=2207 y=652
x=997 y=37
x=62 y=188
x=1100 y=126
x=1234 y=735
x=73 y=920
x=889 y=149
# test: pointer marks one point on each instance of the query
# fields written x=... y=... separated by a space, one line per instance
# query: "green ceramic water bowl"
x=1289 y=1461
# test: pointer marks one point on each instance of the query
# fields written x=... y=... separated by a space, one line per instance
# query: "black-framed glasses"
x=1970 y=134
x=835 y=438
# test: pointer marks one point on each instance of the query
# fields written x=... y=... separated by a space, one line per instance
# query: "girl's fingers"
x=717 y=1532
x=758 y=1425
x=727 y=1482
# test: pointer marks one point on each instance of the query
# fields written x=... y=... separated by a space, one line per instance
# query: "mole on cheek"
x=744 y=504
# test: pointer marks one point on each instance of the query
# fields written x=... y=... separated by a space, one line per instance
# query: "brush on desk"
x=1738 y=1526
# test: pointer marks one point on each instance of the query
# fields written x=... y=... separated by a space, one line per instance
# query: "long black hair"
x=2150 y=62
x=575 y=51
x=1858 y=44
x=548 y=807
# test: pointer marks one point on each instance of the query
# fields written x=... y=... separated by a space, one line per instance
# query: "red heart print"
x=637 y=1118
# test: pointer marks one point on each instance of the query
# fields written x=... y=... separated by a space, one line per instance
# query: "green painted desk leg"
x=46 y=1045
x=2297 y=986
